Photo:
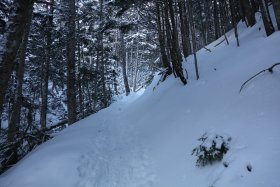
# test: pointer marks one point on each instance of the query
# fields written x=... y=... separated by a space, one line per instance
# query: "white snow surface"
x=146 y=140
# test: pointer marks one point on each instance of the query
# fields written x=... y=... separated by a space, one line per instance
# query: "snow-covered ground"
x=147 y=140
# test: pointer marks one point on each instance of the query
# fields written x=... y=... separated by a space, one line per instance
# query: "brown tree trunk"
x=269 y=29
x=216 y=20
x=232 y=5
x=11 y=43
x=15 y=114
x=80 y=85
x=123 y=62
x=161 y=39
x=174 y=32
x=222 y=6
x=276 y=6
x=190 y=8
x=172 y=37
x=184 y=28
x=70 y=57
x=248 y=12
x=46 y=66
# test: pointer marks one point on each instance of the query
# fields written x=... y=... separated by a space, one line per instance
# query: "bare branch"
x=270 y=70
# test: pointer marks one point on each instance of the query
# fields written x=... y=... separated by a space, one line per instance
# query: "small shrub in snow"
x=212 y=149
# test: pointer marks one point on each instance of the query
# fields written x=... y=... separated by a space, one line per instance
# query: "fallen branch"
x=270 y=70
x=207 y=49
x=220 y=42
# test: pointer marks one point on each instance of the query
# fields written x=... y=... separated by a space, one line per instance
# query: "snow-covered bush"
x=212 y=148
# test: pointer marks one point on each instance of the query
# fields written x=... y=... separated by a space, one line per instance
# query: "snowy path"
x=115 y=155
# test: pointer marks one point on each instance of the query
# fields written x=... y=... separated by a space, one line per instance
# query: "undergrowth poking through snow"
x=212 y=149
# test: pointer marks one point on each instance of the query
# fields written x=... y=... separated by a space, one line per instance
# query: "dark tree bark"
x=269 y=29
x=15 y=114
x=232 y=5
x=11 y=43
x=46 y=67
x=184 y=28
x=255 y=5
x=216 y=20
x=70 y=57
x=101 y=48
x=123 y=62
x=190 y=8
x=174 y=32
x=248 y=12
x=172 y=37
x=161 y=39
x=276 y=6
x=80 y=85
x=202 y=24
x=222 y=6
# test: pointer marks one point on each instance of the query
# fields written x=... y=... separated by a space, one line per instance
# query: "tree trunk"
x=174 y=32
x=161 y=39
x=202 y=24
x=70 y=57
x=222 y=5
x=15 y=114
x=269 y=29
x=80 y=85
x=190 y=7
x=123 y=62
x=137 y=62
x=184 y=28
x=46 y=67
x=11 y=43
x=172 y=37
x=232 y=5
x=276 y=6
x=248 y=12
x=216 y=20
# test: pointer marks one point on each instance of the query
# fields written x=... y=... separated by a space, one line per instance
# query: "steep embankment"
x=147 y=140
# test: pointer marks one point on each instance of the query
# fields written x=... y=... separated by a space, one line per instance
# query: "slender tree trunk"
x=123 y=62
x=276 y=6
x=190 y=7
x=101 y=48
x=184 y=28
x=216 y=20
x=137 y=61
x=223 y=17
x=11 y=43
x=80 y=87
x=202 y=24
x=46 y=67
x=70 y=56
x=233 y=19
x=269 y=29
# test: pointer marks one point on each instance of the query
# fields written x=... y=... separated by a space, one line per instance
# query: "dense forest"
x=62 y=60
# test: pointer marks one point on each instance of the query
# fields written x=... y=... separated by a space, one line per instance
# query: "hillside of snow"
x=146 y=140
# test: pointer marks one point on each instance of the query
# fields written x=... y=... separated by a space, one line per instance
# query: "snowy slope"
x=147 y=140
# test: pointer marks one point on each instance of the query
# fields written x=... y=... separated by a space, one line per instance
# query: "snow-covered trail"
x=115 y=154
